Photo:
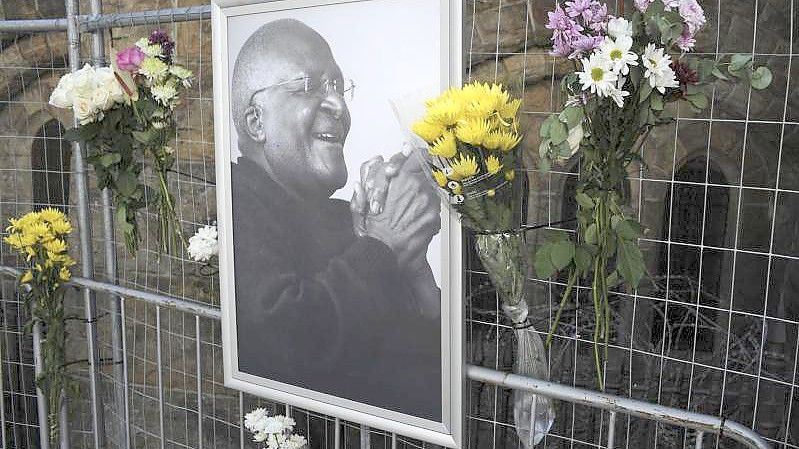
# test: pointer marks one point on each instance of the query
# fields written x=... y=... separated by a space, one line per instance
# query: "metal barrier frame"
x=96 y=23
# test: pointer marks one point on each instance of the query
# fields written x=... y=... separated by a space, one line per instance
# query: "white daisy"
x=597 y=74
x=658 y=70
x=619 y=26
x=618 y=52
x=618 y=95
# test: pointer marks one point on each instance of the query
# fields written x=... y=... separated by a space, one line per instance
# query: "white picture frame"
x=230 y=22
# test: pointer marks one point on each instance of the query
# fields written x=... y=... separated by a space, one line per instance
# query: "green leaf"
x=628 y=230
x=145 y=137
x=613 y=279
x=739 y=62
x=644 y=92
x=761 y=78
x=572 y=116
x=126 y=183
x=562 y=253
x=717 y=73
x=545 y=127
x=109 y=159
x=543 y=262
x=558 y=132
x=656 y=102
x=630 y=262
x=698 y=100
x=582 y=259
x=590 y=234
x=584 y=200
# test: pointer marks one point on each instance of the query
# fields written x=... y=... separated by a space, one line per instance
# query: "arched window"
x=689 y=209
x=50 y=163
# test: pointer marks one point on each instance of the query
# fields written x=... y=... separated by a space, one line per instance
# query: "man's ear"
x=253 y=119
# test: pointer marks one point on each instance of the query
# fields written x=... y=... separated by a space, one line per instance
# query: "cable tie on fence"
x=721 y=426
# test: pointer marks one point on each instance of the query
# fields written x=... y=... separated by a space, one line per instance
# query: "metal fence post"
x=87 y=259
x=41 y=401
x=98 y=59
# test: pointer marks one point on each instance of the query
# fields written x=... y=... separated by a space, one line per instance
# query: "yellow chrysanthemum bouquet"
x=40 y=239
x=472 y=133
x=473 y=137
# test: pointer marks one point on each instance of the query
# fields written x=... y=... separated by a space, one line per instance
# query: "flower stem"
x=566 y=294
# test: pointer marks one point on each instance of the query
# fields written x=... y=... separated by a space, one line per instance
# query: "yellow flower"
x=445 y=146
x=30 y=252
x=38 y=230
x=492 y=140
x=446 y=112
x=440 y=177
x=490 y=193
x=493 y=165
x=57 y=258
x=428 y=131
x=510 y=174
x=508 y=110
x=64 y=274
x=38 y=267
x=464 y=167
x=51 y=214
x=55 y=246
x=509 y=140
x=27 y=277
x=61 y=227
x=472 y=131
x=15 y=240
x=68 y=261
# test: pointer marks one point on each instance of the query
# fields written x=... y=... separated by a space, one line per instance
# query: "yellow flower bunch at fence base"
x=40 y=239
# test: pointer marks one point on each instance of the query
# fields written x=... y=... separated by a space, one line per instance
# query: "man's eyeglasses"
x=308 y=85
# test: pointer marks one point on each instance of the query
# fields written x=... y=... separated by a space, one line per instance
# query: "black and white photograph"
x=336 y=261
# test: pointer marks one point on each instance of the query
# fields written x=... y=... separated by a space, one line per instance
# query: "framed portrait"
x=340 y=265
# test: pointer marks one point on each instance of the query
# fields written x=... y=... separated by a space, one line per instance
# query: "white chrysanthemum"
x=597 y=74
x=619 y=26
x=294 y=442
x=618 y=95
x=203 y=245
x=254 y=420
x=164 y=93
x=151 y=50
x=619 y=54
x=153 y=68
x=658 y=70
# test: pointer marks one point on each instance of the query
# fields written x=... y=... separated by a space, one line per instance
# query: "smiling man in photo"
x=319 y=305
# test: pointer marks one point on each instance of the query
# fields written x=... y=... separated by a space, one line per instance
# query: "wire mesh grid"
x=718 y=193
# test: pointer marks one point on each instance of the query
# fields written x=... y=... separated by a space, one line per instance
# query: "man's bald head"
x=264 y=56
x=289 y=120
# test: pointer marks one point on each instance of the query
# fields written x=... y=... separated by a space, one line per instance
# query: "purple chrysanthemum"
x=642 y=5
x=167 y=45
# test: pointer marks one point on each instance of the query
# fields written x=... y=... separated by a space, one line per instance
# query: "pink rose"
x=130 y=58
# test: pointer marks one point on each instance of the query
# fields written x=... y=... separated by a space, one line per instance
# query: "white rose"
x=84 y=110
x=108 y=81
x=102 y=100
x=62 y=95
x=84 y=81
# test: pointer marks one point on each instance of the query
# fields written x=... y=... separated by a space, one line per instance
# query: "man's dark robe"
x=320 y=308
